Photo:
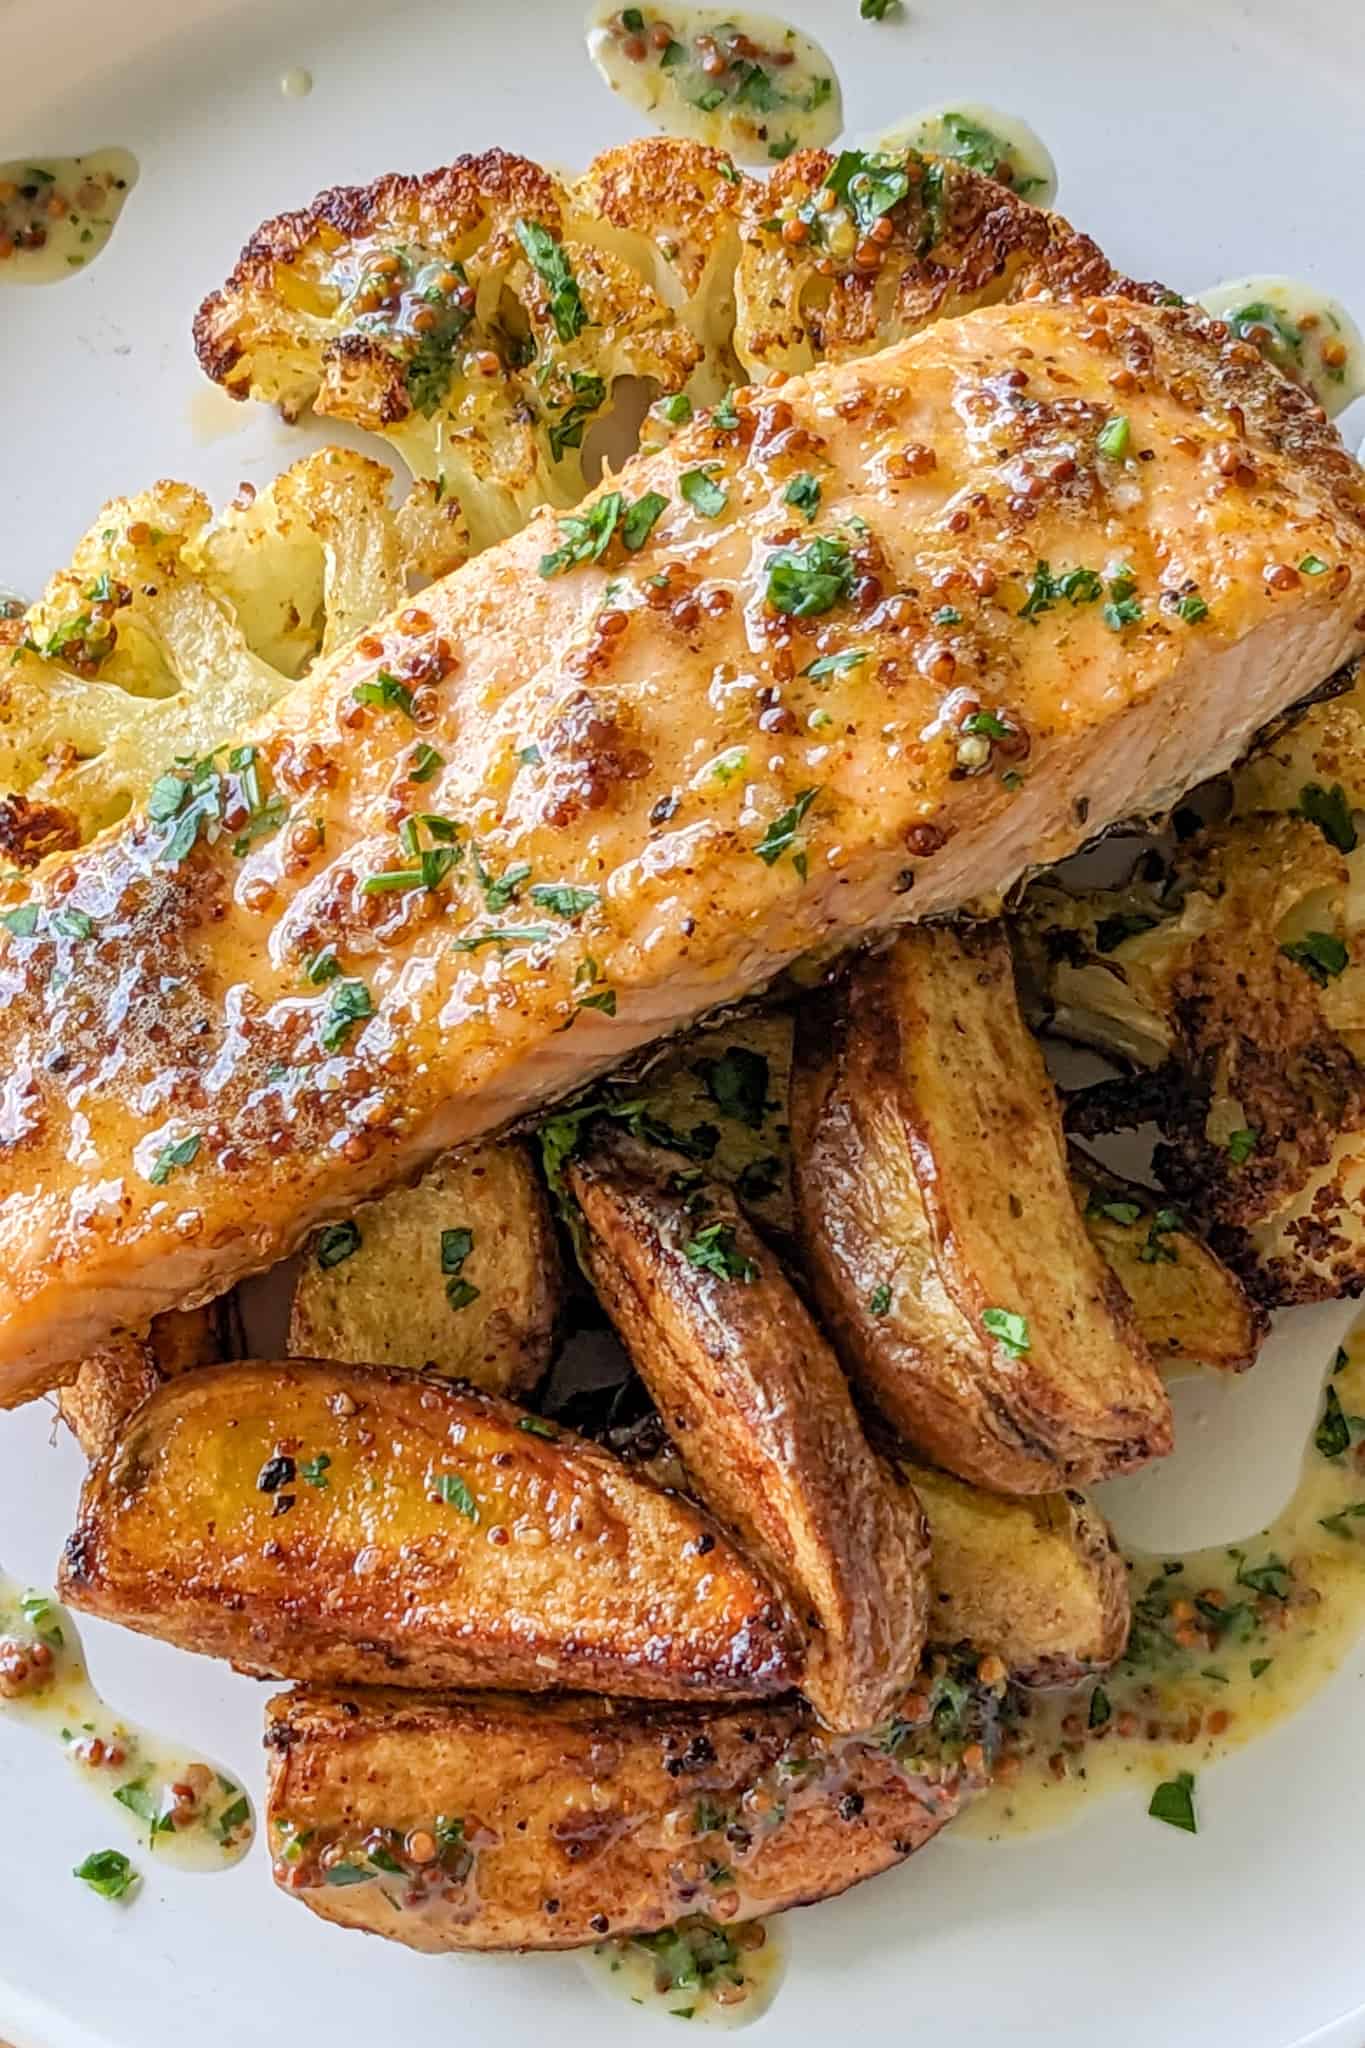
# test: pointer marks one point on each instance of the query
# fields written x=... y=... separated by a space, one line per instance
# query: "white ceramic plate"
x=1196 y=141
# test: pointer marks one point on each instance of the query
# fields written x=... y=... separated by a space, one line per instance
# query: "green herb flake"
x=450 y=1488
x=314 y=1471
x=640 y=520
x=804 y=582
x=585 y=536
x=1260 y=1664
x=1240 y=1145
x=456 y=1245
x=1008 y=1328
x=108 y=1872
x=348 y=1004
x=22 y=920
x=1339 y=1523
x=804 y=493
x=1333 y=1434
x=564 y=899
x=1320 y=954
x=337 y=1242
x=424 y=763
x=503 y=935
x=676 y=409
x=320 y=968
x=232 y=1818
x=535 y=1425
x=1173 y=1802
x=1312 y=565
x=385 y=692
x=1330 y=812
x=703 y=494
x=1191 y=609
x=879 y=1301
x=551 y=265
x=181 y=1152
x=714 y=1250
x=783 y=831
x=1115 y=437
x=834 y=664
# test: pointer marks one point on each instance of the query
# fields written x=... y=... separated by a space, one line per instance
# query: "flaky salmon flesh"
x=856 y=649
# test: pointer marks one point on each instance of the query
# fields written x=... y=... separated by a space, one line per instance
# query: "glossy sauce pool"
x=725 y=1977
x=748 y=83
x=1226 y=1643
x=57 y=213
x=984 y=138
x=185 y=1810
x=1305 y=332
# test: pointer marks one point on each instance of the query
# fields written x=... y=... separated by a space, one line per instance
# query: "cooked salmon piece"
x=854 y=649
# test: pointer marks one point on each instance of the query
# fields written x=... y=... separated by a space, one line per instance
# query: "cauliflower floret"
x=170 y=633
x=843 y=254
x=472 y=317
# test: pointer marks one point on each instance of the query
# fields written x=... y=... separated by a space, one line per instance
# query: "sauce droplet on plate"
x=1304 y=332
x=985 y=139
x=58 y=212
x=297 y=83
x=1226 y=1642
x=187 y=1811
x=697 y=1970
x=748 y=83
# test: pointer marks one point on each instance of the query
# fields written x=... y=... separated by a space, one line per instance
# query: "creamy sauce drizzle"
x=139 y=1776
x=724 y=1977
x=58 y=212
x=749 y=83
x=983 y=138
x=1226 y=1643
x=1308 y=335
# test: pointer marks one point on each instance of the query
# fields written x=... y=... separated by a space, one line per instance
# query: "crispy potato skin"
x=387 y=1304
x=428 y=1539
x=1190 y=1307
x=762 y=1417
x=113 y=1382
x=581 y=1819
x=931 y=1186
x=1039 y=1582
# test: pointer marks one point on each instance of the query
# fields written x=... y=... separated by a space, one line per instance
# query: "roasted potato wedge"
x=1189 y=1306
x=1038 y=1582
x=312 y=1521
x=761 y=1414
x=554 y=1823
x=943 y=1242
x=459 y=1274
x=112 y=1383
x=720 y=1096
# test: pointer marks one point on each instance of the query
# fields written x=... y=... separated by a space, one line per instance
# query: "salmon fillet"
x=899 y=631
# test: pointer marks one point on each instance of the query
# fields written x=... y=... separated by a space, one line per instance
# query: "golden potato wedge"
x=312 y=1521
x=1189 y=1306
x=1036 y=1582
x=944 y=1245
x=459 y=1274
x=113 y=1382
x=761 y=1414
x=551 y=1824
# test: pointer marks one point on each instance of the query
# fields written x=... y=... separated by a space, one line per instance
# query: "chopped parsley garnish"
x=1269 y=329
x=1115 y=437
x=603 y=999
x=182 y=1152
x=804 y=492
x=451 y=1489
x=337 y=1242
x=551 y=265
x=879 y=1301
x=108 y=1872
x=1122 y=609
x=22 y=920
x=981 y=150
x=834 y=664
x=425 y=762
x=737 y=1083
x=702 y=492
x=724 y=414
x=41 y=1613
x=589 y=395
x=313 y=1471
x=563 y=899
x=1126 y=1213
x=72 y=924
x=534 y=1425
x=803 y=582
x=348 y=1003
x=780 y=150
x=503 y=935
x=1260 y=1664
x=1320 y=954
x=783 y=831
x=386 y=692
x=1191 y=609
x=500 y=890
x=1008 y=1328
x=1333 y=1434
x=346 y=1873
x=1312 y=565
x=322 y=967
x=878 y=10
x=456 y=1245
x=1100 y=1709
x=640 y=520
x=947 y=615
x=1337 y=1524
x=714 y=1250
x=676 y=408
x=585 y=536
x=1330 y=812
x=988 y=723
x=1155 y=1251
x=868 y=183
x=1075 y=586
x=1173 y=1802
